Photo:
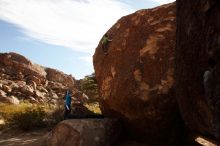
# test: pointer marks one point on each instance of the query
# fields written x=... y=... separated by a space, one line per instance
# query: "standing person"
x=105 y=41
x=67 y=112
x=216 y=95
x=212 y=90
x=208 y=82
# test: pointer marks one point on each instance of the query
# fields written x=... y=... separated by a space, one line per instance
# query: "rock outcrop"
x=85 y=132
x=58 y=76
x=20 y=79
x=18 y=67
x=198 y=32
x=136 y=77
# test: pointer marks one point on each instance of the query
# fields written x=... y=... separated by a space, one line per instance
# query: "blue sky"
x=62 y=34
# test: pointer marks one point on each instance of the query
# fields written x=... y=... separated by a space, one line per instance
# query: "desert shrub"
x=31 y=118
x=94 y=107
x=24 y=116
x=7 y=110
x=55 y=115
x=89 y=86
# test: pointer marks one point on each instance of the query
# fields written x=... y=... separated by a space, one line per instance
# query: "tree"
x=89 y=86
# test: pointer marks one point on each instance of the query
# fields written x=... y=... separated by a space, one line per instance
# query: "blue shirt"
x=68 y=100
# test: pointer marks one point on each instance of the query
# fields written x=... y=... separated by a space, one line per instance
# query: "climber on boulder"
x=105 y=42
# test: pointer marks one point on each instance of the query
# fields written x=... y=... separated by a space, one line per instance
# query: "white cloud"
x=164 y=1
x=87 y=59
x=76 y=24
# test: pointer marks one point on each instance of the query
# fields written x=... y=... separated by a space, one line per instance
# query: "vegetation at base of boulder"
x=23 y=116
x=93 y=107
x=30 y=119
x=7 y=110
x=55 y=115
x=89 y=86
x=27 y=116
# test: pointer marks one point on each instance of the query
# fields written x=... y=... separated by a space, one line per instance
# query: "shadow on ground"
x=19 y=138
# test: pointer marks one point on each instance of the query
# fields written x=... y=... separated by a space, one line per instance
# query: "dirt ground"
x=14 y=137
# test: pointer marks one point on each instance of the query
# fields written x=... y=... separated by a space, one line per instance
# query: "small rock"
x=33 y=84
x=12 y=100
x=42 y=89
x=20 y=76
x=39 y=95
x=32 y=100
x=21 y=83
x=2 y=70
x=28 y=90
x=6 y=88
x=14 y=86
x=53 y=101
x=53 y=95
x=2 y=94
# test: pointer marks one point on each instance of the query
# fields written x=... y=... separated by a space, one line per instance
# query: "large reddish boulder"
x=136 y=77
x=198 y=32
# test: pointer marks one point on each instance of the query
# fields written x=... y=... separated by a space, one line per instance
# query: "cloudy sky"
x=62 y=34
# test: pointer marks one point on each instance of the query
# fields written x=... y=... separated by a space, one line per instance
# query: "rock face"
x=136 y=77
x=57 y=76
x=18 y=67
x=20 y=79
x=197 y=36
x=89 y=132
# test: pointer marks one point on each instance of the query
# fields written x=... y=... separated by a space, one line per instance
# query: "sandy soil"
x=11 y=137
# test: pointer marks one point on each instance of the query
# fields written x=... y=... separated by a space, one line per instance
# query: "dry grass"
x=25 y=115
x=9 y=109
x=94 y=107
x=32 y=113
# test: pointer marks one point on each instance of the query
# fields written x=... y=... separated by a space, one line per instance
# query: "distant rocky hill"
x=20 y=79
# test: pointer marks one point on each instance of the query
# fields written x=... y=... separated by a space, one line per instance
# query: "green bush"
x=89 y=86
x=93 y=107
x=30 y=118
x=55 y=115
